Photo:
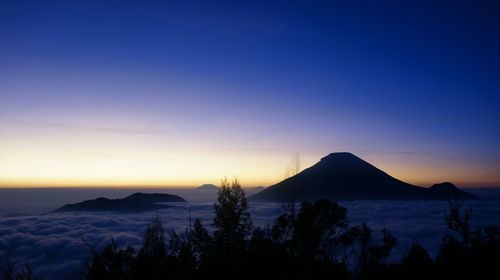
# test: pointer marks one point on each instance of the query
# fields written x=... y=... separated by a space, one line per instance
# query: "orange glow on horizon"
x=77 y=158
x=191 y=170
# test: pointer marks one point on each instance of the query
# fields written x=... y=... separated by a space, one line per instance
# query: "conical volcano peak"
x=343 y=158
x=344 y=176
x=340 y=156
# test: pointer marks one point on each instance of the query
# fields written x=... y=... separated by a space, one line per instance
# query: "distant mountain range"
x=344 y=176
x=136 y=202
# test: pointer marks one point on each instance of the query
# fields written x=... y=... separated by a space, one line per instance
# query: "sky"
x=181 y=93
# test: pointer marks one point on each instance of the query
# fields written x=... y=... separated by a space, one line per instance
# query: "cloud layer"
x=53 y=244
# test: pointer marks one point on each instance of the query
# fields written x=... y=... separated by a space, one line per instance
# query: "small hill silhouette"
x=344 y=176
x=136 y=202
x=207 y=187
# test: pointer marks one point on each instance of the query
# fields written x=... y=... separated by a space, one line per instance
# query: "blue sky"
x=154 y=88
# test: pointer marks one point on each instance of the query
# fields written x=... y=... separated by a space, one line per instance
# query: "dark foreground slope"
x=344 y=176
x=136 y=202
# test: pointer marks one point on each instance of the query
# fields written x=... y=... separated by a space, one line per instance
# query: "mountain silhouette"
x=136 y=202
x=344 y=176
x=207 y=187
x=449 y=189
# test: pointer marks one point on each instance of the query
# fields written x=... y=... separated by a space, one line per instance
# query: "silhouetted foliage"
x=232 y=221
x=365 y=255
x=180 y=260
x=474 y=254
x=10 y=272
x=201 y=241
x=458 y=222
x=289 y=196
x=417 y=263
x=319 y=243
x=112 y=263
x=222 y=254
x=150 y=262
x=317 y=227
x=153 y=245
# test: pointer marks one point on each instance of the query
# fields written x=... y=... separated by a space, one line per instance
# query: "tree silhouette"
x=112 y=263
x=318 y=244
x=153 y=244
x=201 y=241
x=150 y=262
x=180 y=260
x=459 y=223
x=474 y=254
x=232 y=221
x=10 y=272
x=316 y=228
x=369 y=256
x=416 y=263
x=289 y=196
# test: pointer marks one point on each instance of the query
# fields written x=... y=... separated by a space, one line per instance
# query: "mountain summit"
x=344 y=176
x=205 y=187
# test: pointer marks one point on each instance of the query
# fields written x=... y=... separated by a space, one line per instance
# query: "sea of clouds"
x=53 y=245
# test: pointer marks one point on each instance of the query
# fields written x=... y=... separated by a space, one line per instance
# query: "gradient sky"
x=184 y=93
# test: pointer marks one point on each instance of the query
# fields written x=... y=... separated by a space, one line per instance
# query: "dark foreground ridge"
x=344 y=176
x=136 y=202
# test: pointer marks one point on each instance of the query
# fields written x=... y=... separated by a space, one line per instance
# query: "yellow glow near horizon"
x=114 y=169
x=105 y=159
x=181 y=169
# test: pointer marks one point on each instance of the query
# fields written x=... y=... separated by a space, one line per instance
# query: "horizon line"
x=34 y=186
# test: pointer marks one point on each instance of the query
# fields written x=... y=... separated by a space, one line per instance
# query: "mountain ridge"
x=136 y=202
x=344 y=176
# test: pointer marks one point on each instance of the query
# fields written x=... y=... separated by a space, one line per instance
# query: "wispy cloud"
x=89 y=128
